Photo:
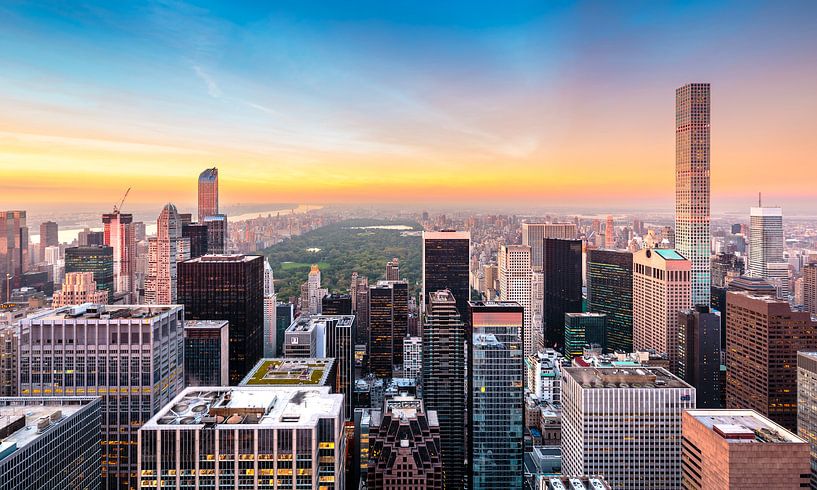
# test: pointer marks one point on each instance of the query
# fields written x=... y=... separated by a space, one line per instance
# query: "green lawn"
x=288 y=266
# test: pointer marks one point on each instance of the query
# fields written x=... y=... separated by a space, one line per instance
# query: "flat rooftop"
x=259 y=406
x=668 y=254
x=289 y=372
x=308 y=323
x=573 y=483
x=224 y=258
x=744 y=427
x=91 y=311
x=624 y=377
x=193 y=324
x=31 y=415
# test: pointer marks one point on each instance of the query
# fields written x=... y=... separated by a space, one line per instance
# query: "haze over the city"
x=534 y=103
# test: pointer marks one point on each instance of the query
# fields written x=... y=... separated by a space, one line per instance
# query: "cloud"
x=212 y=87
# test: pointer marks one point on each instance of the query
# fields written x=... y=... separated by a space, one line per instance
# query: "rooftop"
x=193 y=324
x=289 y=372
x=744 y=426
x=91 y=311
x=224 y=257
x=265 y=406
x=307 y=323
x=446 y=235
x=573 y=483
x=624 y=378
x=668 y=254
x=25 y=423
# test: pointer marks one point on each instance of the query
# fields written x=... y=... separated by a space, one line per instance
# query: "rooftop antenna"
x=758 y=201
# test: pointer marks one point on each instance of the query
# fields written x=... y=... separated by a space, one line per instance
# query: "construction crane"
x=118 y=207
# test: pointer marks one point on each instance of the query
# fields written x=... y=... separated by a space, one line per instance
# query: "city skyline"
x=578 y=98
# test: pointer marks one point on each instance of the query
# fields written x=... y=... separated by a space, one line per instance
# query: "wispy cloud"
x=261 y=108
x=212 y=86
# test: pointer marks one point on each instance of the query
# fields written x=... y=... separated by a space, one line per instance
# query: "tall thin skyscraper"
x=446 y=257
x=119 y=234
x=165 y=251
x=609 y=233
x=388 y=325
x=692 y=236
x=515 y=285
x=48 y=236
x=533 y=234
x=444 y=381
x=208 y=193
x=496 y=392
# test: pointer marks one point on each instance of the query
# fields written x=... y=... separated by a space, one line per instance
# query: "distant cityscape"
x=535 y=352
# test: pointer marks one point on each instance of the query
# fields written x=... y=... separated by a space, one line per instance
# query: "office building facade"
x=228 y=287
x=496 y=390
x=562 y=269
x=13 y=251
x=763 y=336
x=583 y=330
x=661 y=288
x=699 y=353
x=97 y=259
x=119 y=234
x=130 y=356
x=807 y=406
x=79 y=288
x=534 y=234
x=444 y=383
x=265 y=438
x=515 y=284
x=165 y=251
x=624 y=424
x=206 y=353
x=446 y=259
x=198 y=235
x=388 y=326
x=208 y=193
x=49 y=237
x=610 y=291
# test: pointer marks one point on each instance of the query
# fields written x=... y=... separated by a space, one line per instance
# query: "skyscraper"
x=97 y=259
x=807 y=405
x=197 y=233
x=388 y=325
x=49 y=236
x=315 y=292
x=496 y=395
x=13 y=251
x=699 y=353
x=206 y=353
x=393 y=270
x=583 y=329
x=624 y=424
x=692 y=161
x=405 y=447
x=265 y=438
x=228 y=287
x=609 y=233
x=216 y=233
x=515 y=277
x=444 y=384
x=763 y=336
x=740 y=449
x=810 y=287
x=661 y=288
x=79 y=288
x=165 y=251
x=336 y=304
x=359 y=291
x=562 y=269
x=270 y=311
x=766 y=247
x=610 y=291
x=50 y=443
x=119 y=234
x=446 y=259
x=284 y=315
x=534 y=234
x=208 y=193
x=86 y=359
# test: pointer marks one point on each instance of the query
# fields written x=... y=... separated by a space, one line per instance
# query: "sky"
x=536 y=103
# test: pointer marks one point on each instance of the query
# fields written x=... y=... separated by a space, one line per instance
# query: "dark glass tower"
x=446 y=256
x=97 y=259
x=284 y=315
x=216 y=234
x=197 y=233
x=610 y=291
x=206 y=351
x=228 y=287
x=562 y=269
x=388 y=325
x=444 y=342
x=699 y=354
x=583 y=329
x=336 y=304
